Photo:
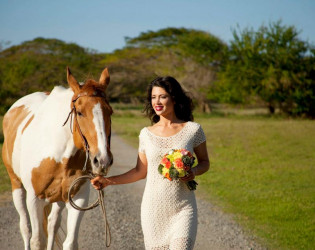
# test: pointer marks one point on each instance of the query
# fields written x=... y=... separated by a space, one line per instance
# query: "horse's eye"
x=79 y=114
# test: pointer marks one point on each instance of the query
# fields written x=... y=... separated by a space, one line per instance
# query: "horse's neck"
x=51 y=116
x=56 y=109
x=57 y=104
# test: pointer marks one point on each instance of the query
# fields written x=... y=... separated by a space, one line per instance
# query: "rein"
x=100 y=200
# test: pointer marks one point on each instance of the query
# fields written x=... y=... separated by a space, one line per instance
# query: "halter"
x=74 y=111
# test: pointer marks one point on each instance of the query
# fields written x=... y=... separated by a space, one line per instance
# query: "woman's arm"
x=203 y=162
x=137 y=173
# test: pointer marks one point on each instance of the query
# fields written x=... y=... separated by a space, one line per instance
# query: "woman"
x=168 y=208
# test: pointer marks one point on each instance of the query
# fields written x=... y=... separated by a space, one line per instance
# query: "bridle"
x=74 y=111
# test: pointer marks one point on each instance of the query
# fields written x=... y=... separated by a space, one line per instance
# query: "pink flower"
x=184 y=152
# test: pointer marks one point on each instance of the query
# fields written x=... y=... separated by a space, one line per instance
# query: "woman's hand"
x=100 y=182
x=203 y=163
x=137 y=173
x=189 y=176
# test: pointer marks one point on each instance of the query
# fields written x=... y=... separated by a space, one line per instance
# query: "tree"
x=38 y=65
x=200 y=45
x=193 y=56
x=273 y=64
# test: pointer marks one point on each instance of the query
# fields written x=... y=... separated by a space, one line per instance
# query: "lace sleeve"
x=141 y=143
x=199 y=137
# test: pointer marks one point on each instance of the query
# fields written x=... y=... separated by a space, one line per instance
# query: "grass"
x=262 y=172
x=4 y=178
x=5 y=184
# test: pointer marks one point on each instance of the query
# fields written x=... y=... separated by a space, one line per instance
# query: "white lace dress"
x=168 y=209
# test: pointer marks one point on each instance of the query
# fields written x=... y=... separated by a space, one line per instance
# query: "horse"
x=43 y=155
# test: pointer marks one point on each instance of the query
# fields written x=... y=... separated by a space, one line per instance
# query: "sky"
x=102 y=25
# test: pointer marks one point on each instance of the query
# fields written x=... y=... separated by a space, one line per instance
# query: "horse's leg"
x=35 y=208
x=19 y=199
x=18 y=192
x=75 y=217
x=54 y=220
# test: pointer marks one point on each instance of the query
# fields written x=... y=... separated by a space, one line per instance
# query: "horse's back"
x=15 y=121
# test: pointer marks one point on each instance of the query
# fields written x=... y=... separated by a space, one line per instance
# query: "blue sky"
x=103 y=24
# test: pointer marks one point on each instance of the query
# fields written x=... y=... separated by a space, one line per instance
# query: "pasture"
x=262 y=172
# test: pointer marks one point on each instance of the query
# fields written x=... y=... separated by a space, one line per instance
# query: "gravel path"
x=215 y=230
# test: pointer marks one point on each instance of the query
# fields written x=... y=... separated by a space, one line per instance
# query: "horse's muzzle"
x=101 y=165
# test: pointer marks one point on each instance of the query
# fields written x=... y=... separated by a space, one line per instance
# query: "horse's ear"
x=105 y=78
x=74 y=85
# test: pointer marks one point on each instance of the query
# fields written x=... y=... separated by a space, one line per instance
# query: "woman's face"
x=161 y=101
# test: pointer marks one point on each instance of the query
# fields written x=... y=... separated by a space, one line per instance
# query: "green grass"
x=262 y=172
x=5 y=184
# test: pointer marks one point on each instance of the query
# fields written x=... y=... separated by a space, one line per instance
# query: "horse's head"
x=92 y=120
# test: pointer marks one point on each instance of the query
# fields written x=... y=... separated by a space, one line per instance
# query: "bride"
x=168 y=208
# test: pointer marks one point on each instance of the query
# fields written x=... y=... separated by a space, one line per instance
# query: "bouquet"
x=176 y=164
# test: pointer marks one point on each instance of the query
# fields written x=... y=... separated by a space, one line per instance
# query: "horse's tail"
x=61 y=232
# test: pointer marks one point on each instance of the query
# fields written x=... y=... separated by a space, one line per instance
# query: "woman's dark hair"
x=183 y=106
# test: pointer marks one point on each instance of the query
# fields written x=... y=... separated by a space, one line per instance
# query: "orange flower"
x=167 y=175
x=178 y=163
x=166 y=162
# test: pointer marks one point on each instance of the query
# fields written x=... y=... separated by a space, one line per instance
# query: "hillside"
x=40 y=64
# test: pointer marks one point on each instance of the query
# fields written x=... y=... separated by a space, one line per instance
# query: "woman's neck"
x=169 y=120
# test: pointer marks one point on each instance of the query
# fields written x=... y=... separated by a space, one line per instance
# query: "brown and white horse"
x=43 y=157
